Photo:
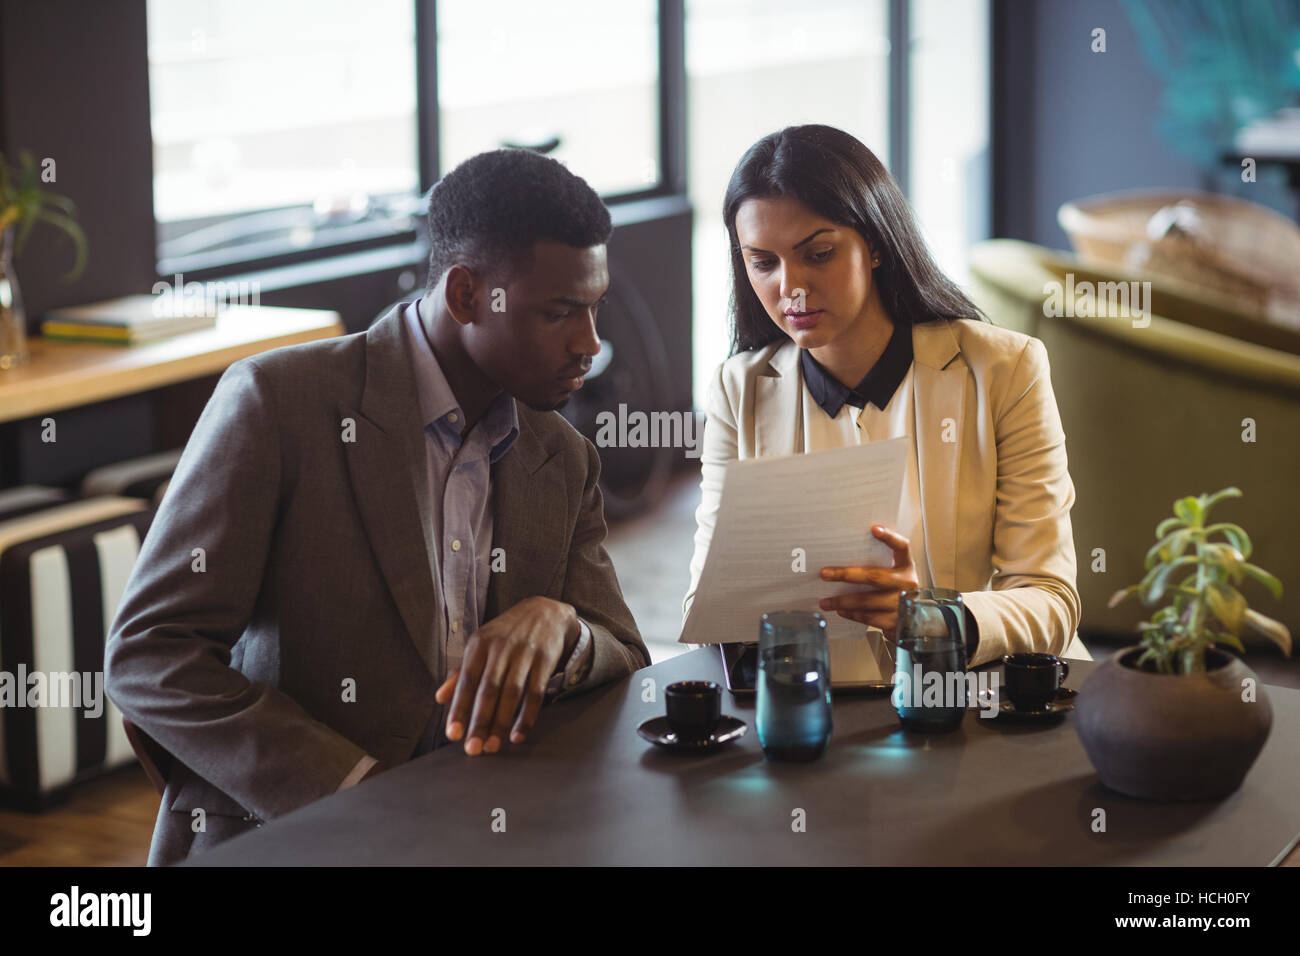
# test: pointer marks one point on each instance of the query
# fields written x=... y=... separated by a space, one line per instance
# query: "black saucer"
x=1063 y=704
x=657 y=731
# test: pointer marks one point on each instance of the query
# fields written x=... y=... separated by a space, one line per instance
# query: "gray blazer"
x=287 y=565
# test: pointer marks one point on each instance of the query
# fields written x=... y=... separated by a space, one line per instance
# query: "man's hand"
x=877 y=607
x=508 y=660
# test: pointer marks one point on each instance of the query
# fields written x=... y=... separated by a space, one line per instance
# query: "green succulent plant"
x=24 y=203
x=1206 y=608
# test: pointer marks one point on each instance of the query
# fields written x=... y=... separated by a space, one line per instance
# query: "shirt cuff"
x=578 y=665
x=972 y=636
x=360 y=770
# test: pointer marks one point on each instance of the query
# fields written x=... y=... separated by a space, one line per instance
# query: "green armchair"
x=1157 y=412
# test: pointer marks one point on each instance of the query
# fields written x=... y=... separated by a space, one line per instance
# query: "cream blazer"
x=995 y=488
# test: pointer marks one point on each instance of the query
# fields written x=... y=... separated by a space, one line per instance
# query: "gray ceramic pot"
x=1172 y=737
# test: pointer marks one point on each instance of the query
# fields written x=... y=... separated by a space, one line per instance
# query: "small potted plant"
x=23 y=203
x=1176 y=717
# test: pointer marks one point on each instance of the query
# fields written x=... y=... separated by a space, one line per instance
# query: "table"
x=65 y=374
x=588 y=790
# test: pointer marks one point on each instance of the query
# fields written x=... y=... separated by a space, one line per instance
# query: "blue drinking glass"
x=794 y=685
x=930 y=671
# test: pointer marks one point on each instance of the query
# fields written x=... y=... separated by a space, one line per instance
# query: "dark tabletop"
x=587 y=790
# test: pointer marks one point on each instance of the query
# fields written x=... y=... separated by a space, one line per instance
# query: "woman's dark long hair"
x=838 y=178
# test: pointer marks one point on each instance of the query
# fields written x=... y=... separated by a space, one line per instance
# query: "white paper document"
x=797 y=511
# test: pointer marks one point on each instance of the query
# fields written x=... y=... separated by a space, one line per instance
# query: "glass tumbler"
x=794 y=685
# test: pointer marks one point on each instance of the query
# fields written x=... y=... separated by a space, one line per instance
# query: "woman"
x=844 y=331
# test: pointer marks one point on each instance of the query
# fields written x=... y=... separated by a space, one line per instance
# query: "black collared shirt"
x=877 y=387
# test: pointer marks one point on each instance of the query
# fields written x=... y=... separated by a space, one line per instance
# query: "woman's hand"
x=877 y=607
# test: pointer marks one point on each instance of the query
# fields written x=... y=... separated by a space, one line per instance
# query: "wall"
x=1070 y=123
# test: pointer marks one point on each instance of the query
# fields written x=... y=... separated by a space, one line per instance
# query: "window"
x=289 y=129
x=948 y=148
x=280 y=126
x=754 y=66
x=578 y=76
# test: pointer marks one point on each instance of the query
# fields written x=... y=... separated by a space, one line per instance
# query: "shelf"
x=62 y=375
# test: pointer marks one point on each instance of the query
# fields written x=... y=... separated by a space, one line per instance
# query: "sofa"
x=1157 y=410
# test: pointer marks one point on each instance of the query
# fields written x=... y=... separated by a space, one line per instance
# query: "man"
x=380 y=542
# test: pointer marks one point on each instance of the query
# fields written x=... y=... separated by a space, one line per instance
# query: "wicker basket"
x=1228 y=248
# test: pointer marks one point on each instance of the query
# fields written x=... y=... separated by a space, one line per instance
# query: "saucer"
x=1063 y=704
x=657 y=731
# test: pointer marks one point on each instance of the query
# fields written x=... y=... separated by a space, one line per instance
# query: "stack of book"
x=128 y=320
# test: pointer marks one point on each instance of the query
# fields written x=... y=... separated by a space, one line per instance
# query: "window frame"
x=260 y=255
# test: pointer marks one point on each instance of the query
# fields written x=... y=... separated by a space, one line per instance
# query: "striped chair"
x=63 y=570
x=146 y=477
x=15 y=502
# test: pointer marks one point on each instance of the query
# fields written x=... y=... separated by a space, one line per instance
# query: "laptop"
x=860 y=665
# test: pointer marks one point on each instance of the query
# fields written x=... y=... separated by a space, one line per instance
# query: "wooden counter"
x=62 y=375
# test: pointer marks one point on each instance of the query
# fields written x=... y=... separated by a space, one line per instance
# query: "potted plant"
x=22 y=205
x=1176 y=717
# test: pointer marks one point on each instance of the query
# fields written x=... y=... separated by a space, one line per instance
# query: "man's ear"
x=460 y=293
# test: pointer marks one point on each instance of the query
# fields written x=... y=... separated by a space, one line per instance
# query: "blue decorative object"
x=1224 y=64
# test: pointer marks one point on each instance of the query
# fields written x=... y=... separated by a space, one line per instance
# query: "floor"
x=652 y=555
x=105 y=822
x=109 y=821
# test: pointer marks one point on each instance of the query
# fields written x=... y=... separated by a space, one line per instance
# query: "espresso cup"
x=694 y=708
x=1033 y=679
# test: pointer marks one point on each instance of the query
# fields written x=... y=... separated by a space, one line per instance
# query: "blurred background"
x=288 y=145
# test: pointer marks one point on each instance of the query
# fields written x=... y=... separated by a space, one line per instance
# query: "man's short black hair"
x=488 y=211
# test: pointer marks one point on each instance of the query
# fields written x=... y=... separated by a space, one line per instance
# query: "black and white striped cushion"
x=62 y=575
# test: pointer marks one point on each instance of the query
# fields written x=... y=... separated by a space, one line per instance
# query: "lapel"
x=939 y=406
x=388 y=468
x=531 y=525
x=938 y=403
x=778 y=420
